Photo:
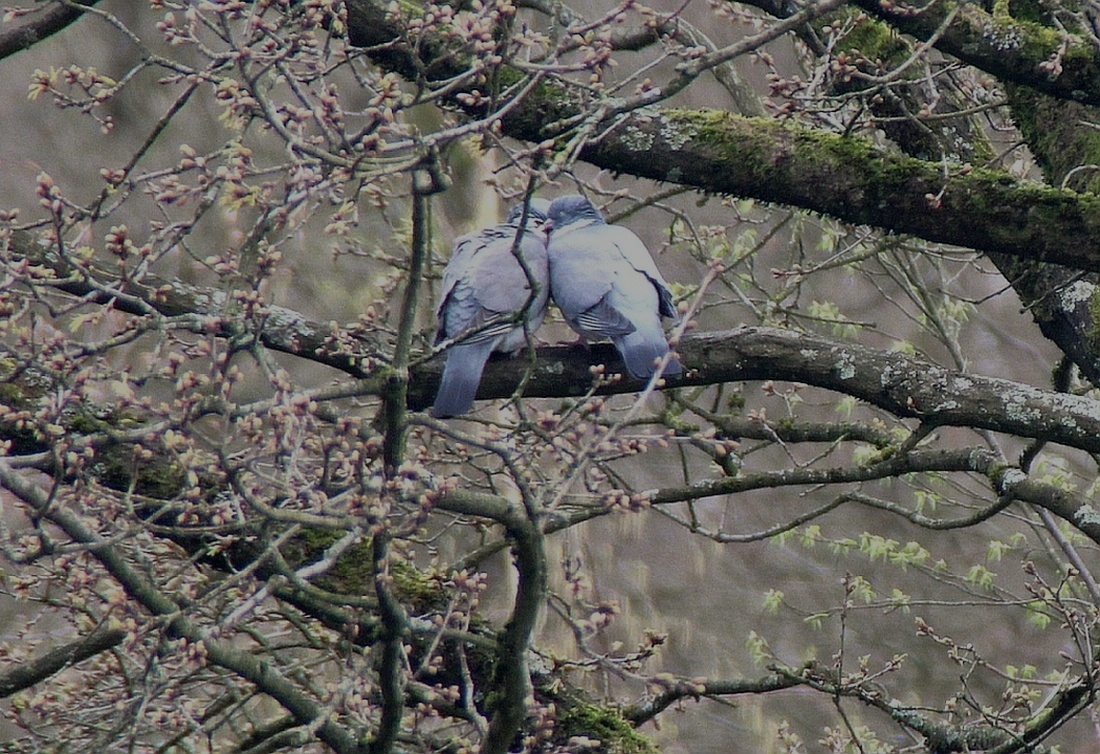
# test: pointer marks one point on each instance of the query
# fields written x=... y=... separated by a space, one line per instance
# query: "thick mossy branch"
x=928 y=121
x=849 y=179
x=1061 y=135
x=1014 y=50
x=844 y=177
x=1066 y=145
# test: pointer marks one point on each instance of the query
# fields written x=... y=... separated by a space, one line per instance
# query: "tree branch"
x=264 y=676
x=1000 y=45
x=391 y=670
x=679 y=689
x=512 y=679
x=902 y=385
x=905 y=386
x=844 y=177
x=283 y=330
x=48 y=22
x=847 y=178
x=29 y=673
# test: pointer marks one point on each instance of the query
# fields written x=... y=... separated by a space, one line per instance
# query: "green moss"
x=86 y=422
x=1053 y=131
x=996 y=471
x=751 y=142
x=353 y=573
x=1093 y=333
x=21 y=386
x=1023 y=10
x=876 y=40
x=545 y=103
x=12 y=393
x=874 y=47
x=1011 y=25
x=421 y=589
x=157 y=477
x=1036 y=42
x=616 y=735
x=982 y=151
x=1033 y=12
x=15 y=396
x=713 y=127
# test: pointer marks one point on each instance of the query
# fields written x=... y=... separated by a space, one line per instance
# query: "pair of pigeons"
x=601 y=277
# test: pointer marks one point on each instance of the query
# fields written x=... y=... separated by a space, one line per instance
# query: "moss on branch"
x=845 y=177
x=1016 y=49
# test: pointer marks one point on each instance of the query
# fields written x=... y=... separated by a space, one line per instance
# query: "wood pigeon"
x=484 y=289
x=607 y=285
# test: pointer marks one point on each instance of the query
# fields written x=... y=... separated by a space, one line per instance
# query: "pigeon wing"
x=455 y=310
x=635 y=253
x=603 y=319
x=501 y=284
x=579 y=278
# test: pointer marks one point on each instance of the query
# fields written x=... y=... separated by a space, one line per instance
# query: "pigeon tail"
x=461 y=376
x=641 y=350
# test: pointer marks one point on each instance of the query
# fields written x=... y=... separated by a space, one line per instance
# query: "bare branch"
x=392 y=665
x=47 y=22
x=39 y=669
x=682 y=688
x=265 y=677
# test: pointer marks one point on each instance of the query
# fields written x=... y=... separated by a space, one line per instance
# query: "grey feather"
x=484 y=287
x=606 y=284
x=461 y=376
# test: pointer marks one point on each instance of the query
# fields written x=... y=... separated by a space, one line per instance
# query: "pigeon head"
x=536 y=211
x=569 y=209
